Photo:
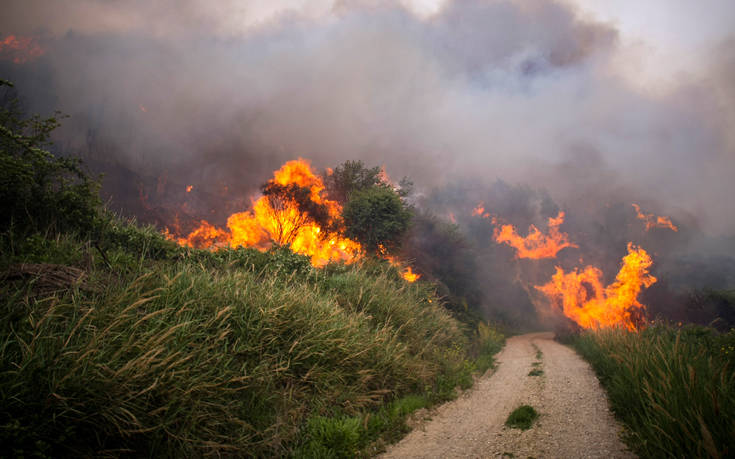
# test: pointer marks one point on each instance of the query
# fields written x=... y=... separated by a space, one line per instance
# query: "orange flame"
x=582 y=298
x=479 y=211
x=20 y=49
x=653 y=221
x=536 y=245
x=409 y=275
x=406 y=272
x=189 y=188
x=283 y=224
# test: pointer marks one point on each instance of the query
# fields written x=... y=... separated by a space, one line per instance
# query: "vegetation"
x=440 y=251
x=349 y=177
x=39 y=191
x=116 y=341
x=377 y=218
x=674 y=387
x=522 y=417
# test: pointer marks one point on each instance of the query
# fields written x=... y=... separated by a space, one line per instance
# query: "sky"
x=592 y=100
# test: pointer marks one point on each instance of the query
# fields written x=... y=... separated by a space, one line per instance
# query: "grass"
x=673 y=387
x=522 y=417
x=539 y=354
x=117 y=342
x=171 y=352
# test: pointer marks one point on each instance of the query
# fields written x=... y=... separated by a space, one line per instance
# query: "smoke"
x=218 y=95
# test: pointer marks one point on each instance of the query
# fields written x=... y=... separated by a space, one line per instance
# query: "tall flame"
x=582 y=298
x=653 y=221
x=20 y=49
x=536 y=245
x=283 y=223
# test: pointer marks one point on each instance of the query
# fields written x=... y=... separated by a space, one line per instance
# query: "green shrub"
x=40 y=191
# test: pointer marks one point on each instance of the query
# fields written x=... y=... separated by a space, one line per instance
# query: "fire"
x=20 y=49
x=189 y=188
x=582 y=298
x=406 y=272
x=653 y=221
x=536 y=245
x=479 y=211
x=281 y=222
x=409 y=275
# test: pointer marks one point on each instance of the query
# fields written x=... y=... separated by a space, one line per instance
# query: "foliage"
x=522 y=417
x=162 y=350
x=376 y=218
x=349 y=177
x=439 y=250
x=714 y=303
x=200 y=352
x=673 y=387
x=39 y=191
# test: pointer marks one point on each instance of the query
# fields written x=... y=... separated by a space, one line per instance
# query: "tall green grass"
x=236 y=352
x=674 y=388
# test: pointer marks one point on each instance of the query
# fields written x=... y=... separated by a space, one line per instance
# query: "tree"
x=349 y=177
x=376 y=217
x=291 y=207
x=40 y=191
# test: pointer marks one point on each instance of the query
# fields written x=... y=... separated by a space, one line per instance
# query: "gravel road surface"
x=574 y=418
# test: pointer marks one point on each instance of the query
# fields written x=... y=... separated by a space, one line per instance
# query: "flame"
x=653 y=221
x=479 y=211
x=189 y=188
x=582 y=298
x=409 y=275
x=385 y=179
x=536 y=245
x=20 y=49
x=142 y=108
x=281 y=223
x=406 y=271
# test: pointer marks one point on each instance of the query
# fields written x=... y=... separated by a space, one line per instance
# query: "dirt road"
x=574 y=419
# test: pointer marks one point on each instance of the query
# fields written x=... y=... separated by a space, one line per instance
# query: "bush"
x=377 y=218
x=39 y=191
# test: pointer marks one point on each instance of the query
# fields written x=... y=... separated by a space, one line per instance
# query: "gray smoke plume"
x=520 y=90
x=217 y=95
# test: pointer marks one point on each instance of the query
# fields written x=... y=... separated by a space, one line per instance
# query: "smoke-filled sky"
x=596 y=101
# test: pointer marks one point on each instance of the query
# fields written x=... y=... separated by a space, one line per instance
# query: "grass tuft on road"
x=522 y=417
